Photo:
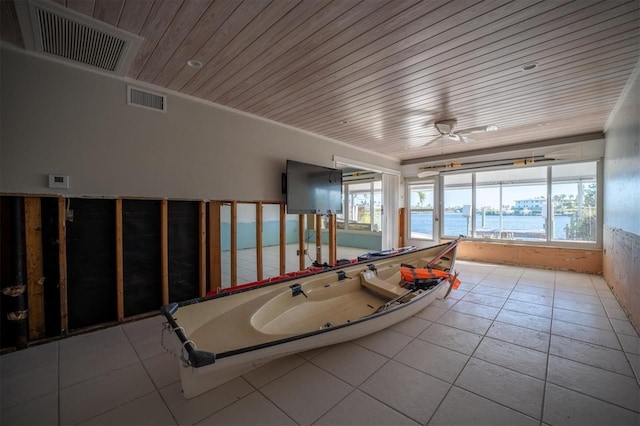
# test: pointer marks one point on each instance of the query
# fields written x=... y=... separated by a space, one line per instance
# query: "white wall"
x=622 y=162
x=621 y=231
x=64 y=120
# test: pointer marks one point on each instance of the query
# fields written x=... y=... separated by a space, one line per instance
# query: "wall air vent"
x=145 y=99
x=54 y=30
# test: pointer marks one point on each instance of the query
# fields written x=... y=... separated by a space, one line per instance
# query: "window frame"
x=549 y=240
x=346 y=208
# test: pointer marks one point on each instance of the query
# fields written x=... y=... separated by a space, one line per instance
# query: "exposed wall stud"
x=318 y=238
x=62 y=254
x=333 y=250
x=202 y=247
x=283 y=240
x=35 y=278
x=234 y=243
x=259 y=229
x=301 y=253
x=215 y=246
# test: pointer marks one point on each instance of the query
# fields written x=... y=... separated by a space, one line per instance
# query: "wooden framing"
x=259 y=229
x=164 y=250
x=119 y=262
x=557 y=258
x=202 y=249
x=283 y=240
x=234 y=243
x=215 y=246
x=318 y=227
x=62 y=256
x=401 y=227
x=35 y=278
x=333 y=249
x=301 y=263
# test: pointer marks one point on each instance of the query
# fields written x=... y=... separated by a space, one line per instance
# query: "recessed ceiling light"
x=194 y=64
x=344 y=122
x=530 y=66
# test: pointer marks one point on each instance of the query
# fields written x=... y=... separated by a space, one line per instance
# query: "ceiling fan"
x=446 y=128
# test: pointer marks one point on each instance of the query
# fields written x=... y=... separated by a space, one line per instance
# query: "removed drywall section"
x=621 y=271
x=141 y=254
x=91 y=270
x=183 y=250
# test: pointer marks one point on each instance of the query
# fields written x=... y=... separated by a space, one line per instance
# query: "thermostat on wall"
x=59 y=181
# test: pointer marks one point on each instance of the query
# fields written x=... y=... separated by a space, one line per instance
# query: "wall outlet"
x=59 y=181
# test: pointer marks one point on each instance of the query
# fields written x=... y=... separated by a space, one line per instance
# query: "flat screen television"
x=313 y=189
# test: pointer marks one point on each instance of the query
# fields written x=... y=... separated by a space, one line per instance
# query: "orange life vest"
x=410 y=275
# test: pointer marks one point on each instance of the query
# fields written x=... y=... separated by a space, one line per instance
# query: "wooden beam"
x=283 y=240
x=35 y=278
x=119 y=262
x=62 y=264
x=259 y=230
x=234 y=243
x=401 y=227
x=318 y=238
x=202 y=247
x=164 y=249
x=215 y=246
x=301 y=263
x=333 y=249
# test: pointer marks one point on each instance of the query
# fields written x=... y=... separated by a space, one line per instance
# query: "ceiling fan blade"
x=463 y=139
x=432 y=140
x=480 y=129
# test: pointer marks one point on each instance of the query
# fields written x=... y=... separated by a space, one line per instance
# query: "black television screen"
x=313 y=189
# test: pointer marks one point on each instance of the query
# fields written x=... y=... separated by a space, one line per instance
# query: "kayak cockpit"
x=315 y=306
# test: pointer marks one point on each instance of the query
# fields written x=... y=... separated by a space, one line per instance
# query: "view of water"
x=456 y=223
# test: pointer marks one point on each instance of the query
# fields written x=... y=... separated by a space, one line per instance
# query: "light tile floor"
x=512 y=346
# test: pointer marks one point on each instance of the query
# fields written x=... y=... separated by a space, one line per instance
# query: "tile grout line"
x=475 y=350
x=469 y=360
x=546 y=370
x=155 y=386
x=59 y=387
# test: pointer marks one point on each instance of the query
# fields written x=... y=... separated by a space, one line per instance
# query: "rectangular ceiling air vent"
x=145 y=99
x=65 y=34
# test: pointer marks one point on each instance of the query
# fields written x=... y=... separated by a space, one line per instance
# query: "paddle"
x=422 y=285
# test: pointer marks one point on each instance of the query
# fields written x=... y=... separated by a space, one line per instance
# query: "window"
x=421 y=196
x=512 y=204
x=457 y=204
x=362 y=209
x=539 y=204
x=574 y=192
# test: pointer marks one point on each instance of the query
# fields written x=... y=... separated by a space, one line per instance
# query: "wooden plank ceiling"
x=377 y=74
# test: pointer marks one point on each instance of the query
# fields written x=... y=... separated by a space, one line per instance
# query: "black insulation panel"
x=141 y=247
x=91 y=263
x=7 y=271
x=183 y=250
x=51 y=265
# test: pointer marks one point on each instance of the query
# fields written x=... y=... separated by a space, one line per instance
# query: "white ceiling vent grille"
x=145 y=99
x=68 y=35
